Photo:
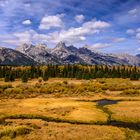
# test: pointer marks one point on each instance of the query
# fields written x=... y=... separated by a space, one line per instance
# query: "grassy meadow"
x=68 y=109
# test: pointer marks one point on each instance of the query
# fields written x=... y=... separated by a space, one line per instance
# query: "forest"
x=10 y=73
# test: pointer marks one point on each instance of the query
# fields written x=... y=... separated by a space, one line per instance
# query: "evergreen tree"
x=24 y=77
x=6 y=78
x=11 y=77
x=134 y=76
x=45 y=76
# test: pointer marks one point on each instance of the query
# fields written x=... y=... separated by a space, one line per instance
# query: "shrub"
x=40 y=79
x=38 y=85
x=31 y=90
x=117 y=86
x=65 y=82
x=47 y=90
x=13 y=91
x=3 y=87
x=1 y=91
x=102 y=81
x=130 y=92
x=13 y=132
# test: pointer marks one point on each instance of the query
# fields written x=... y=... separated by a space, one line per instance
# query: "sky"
x=111 y=26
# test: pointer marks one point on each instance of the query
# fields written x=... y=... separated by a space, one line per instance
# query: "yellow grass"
x=64 y=131
x=127 y=111
x=70 y=80
x=67 y=109
x=51 y=80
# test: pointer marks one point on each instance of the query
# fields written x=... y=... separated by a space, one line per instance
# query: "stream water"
x=104 y=102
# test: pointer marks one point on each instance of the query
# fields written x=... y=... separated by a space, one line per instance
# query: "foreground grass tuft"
x=13 y=132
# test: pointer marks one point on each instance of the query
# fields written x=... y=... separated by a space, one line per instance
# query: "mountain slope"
x=62 y=54
x=12 y=57
x=92 y=57
x=39 y=53
x=72 y=55
x=67 y=54
x=130 y=59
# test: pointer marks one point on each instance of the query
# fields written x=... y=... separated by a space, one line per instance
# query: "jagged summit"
x=61 y=50
x=24 y=48
x=63 y=54
x=12 y=57
x=40 y=53
x=61 y=45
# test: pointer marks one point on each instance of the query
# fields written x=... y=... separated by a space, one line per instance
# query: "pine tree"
x=134 y=76
x=45 y=76
x=6 y=78
x=11 y=77
x=24 y=77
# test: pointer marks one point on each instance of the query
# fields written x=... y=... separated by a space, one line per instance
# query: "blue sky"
x=111 y=26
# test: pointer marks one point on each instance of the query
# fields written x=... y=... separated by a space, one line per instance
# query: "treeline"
x=10 y=73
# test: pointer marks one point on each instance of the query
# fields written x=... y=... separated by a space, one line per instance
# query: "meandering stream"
x=104 y=102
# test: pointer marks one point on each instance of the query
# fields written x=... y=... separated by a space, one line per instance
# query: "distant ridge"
x=12 y=57
x=28 y=54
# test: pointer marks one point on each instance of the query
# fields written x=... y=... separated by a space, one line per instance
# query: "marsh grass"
x=130 y=92
x=126 y=111
x=68 y=108
x=13 y=132
x=68 y=88
x=57 y=110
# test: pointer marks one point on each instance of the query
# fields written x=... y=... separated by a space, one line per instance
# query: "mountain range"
x=28 y=54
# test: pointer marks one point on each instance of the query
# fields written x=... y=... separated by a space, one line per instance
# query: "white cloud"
x=19 y=38
x=48 y=22
x=138 y=37
x=118 y=40
x=138 y=30
x=79 y=18
x=4 y=3
x=100 y=46
x=138 y=49
x=133 y=12
x=135 y=33
x=27 y=5
x=72 y=35
x=130 y=31
x=27 y=22
x=78 y=34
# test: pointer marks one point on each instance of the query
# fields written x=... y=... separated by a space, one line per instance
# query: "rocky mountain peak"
x=61 y=45
x=63 y=54
x=72 y=49
x=42 y=47
x=1 y=48
x=60 y=50
x=138 y=55
x=25 y=48
x=12 y=57
x=86 y=46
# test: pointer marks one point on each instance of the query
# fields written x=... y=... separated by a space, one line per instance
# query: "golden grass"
x=51 y=80
x=65 y=109
x=80 y=107
x=12 y=132
x=18 y=82
x=76 y=132
x=64 y=131
x=69 y=80
x=43 y=130
x=126 y=111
